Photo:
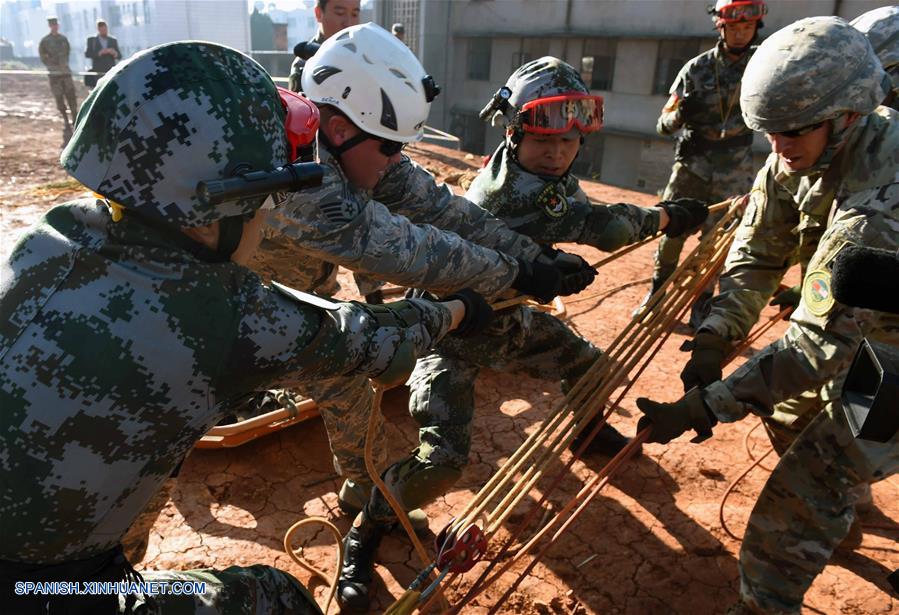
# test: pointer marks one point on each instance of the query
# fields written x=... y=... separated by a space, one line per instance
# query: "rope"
x=733 y=486
x=296 y=555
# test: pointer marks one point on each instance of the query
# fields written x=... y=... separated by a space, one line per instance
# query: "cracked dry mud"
x=650 y=543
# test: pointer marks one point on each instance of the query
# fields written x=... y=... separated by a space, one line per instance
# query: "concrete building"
x=137 y=25
x=628 y=51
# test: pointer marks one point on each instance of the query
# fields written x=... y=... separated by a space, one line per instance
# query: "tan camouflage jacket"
x=823 y=335
x=410 y=231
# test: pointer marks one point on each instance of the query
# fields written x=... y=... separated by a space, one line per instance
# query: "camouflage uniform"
x=713 y=157
x=848 y=197
x=295 y=79
x=394 y=233
x=122 y=344
x=54 y=52
x=881 y=27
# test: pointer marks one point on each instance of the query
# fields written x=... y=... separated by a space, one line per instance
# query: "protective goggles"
x=387 y=147
x=559 y=114
x=741 y=11
x=799 y=132
x=300 y=122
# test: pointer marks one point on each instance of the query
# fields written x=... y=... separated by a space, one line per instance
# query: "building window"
x=472 y=132
x=530 y=49
x=479 y=59
x=598 y=63
x=673 y=54
x=115 y=16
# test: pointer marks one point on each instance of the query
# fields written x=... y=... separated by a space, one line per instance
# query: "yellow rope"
x=296 y=555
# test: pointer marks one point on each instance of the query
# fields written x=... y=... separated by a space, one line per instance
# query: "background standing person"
x=332 y=17
x=399 y=31
x=713 y=155
x=103 y=50
x=54 y=51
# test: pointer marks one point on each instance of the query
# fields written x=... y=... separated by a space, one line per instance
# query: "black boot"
x=609 y=441
x=360 y=546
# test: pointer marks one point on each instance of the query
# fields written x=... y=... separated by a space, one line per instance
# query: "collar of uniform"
x=722 y=56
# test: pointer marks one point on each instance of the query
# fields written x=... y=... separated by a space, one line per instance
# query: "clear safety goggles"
x=742 y=11
x=300 y=122
x=559 y=114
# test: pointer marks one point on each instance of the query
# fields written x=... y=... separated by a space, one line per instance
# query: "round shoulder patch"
x=552 y=200
x=817 y=293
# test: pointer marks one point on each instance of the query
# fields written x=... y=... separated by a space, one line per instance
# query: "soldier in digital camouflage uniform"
x=402 y=238
x=881 y=26
x=54 y=52
x=831 y=182
x=713 y=156
x=332 y=17
x=544 y=202
x=129 y=328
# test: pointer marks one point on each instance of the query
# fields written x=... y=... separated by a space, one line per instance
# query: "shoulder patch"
x=552 y=200
x=817 y=292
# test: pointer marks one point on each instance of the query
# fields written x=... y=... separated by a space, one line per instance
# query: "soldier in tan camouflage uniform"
x=130 y=326
x=713 y=156
x=54 y=52
x=881 y=26
x=831 y=182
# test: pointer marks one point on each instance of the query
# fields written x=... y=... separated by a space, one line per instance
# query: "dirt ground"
x=652 y=541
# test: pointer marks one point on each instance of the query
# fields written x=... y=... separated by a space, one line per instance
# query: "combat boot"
x=354 y=495
x=609 y=441
x=360 y=547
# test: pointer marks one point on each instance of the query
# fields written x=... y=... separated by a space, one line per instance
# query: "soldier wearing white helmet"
x=831 y=182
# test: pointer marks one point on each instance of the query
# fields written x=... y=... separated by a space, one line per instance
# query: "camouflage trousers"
x=806 y=508
x=236 y=590
x=441 y=396
x=63 y=89
x=684 y=183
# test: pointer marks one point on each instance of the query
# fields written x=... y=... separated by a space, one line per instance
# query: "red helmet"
x=300 y=123
x=733 y=11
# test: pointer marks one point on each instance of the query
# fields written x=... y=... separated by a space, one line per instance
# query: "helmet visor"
x=559 y=114
x=300 y=121
x=742 y=11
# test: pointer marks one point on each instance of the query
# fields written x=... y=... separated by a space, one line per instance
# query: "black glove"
x=668 y=421
x=478 y=313
x=538 y=280
x=690 y=106
x=577 y=274
x=684 y=215
x=704 y=366
x=788 y=298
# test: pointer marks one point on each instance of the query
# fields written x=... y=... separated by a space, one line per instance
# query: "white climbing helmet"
x=374 y=79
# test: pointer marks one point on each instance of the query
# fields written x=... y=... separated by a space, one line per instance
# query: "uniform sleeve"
x=409 y=190
x=343 y=226
x=42 y=52
x=823 y=335
x=670 y=120
x=764 y=248
x=283 y=342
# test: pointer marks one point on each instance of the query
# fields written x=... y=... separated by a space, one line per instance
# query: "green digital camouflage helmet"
x=881 y=26
x=812 y=70
x=540 y=78
x=172 y=116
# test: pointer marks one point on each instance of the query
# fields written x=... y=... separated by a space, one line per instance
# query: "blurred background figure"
x=103 y=51
x=399 y=31
x=54 y=52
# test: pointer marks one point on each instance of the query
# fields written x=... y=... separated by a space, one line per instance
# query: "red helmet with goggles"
x=560 y=113
x=300 y=124
x=730 y=11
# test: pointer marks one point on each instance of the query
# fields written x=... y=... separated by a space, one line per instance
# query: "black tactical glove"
x=668 y=421
x=690 y=107
x=704 y=366
x=787 y=298
x=577 y=274
x=478 y=313
x=685 y=215
x=538 y=280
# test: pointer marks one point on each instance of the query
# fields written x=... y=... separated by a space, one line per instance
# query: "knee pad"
x=416 y=482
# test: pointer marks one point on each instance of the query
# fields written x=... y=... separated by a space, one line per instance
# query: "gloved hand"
x=668 y=421
x=690 y=107
x=538 y=280
x=577 y=274
x=787 y=298
x=478 y=313
x=685 y=215
x=704 y=366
